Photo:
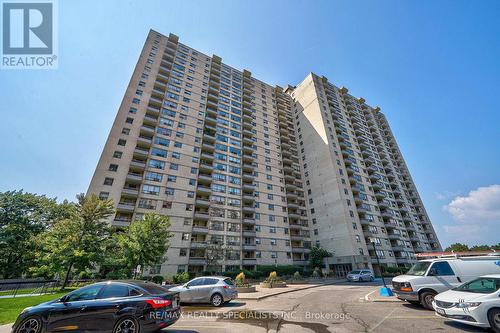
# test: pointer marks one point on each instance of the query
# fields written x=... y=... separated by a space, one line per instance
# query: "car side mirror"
x=63 y=299
x=432 y=272
x=186 y=286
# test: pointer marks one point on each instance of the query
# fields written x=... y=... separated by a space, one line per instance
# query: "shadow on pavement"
x=204 y=306
x=464 y=327
x=417 y=307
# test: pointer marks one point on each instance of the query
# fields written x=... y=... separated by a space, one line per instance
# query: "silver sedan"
x=215 y=290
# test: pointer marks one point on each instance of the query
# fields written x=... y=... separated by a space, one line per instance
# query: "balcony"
x=207 y=156
x=394 y=236
x=249 y=187
x=202 y=202
x=208 y=167
x=198 y=245
x=249 y=233
x=150 y=120
x=204 y=190
x=248 y=221
x=249 y=247
x=134 y=177
x=248 y=209
x=127 y=207
x=148 y=129
x=204 y=179
x=199 y=230
x=201 y=215
x=144 y=141
x=249 y=261
x=138 y=164
x=142 y=152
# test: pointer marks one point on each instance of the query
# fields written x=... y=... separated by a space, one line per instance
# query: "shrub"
x=273 y=278
x=181 y=278
x=316 y=273
x=240 y=279
x=158 y=279
x=296 y=276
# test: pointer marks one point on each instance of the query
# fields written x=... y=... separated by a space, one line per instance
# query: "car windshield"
x=480 y=286
x=419 y=268
x=354 y=272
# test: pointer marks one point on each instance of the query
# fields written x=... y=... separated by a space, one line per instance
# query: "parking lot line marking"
x=384 y=319
x=415 y=317
x=367 y=298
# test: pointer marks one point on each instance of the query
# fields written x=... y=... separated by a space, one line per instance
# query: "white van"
x=430 y=277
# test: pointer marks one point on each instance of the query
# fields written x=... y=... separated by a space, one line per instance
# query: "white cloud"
x=477 y=216
x=480 y=205
x=445 y=195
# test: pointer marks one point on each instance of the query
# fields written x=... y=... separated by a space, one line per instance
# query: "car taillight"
x=225 y=287
x=158 y=303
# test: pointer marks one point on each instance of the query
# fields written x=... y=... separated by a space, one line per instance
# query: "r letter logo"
x=28 y=35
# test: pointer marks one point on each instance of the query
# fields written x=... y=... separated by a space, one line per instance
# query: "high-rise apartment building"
x=255 y=172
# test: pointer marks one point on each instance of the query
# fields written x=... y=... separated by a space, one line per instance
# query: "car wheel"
x=216 y=300
x=426 y=299
x=494 y=320
x=30 y=325
x=126 y=325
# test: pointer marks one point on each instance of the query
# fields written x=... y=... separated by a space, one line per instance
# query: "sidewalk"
x=5 y=328
x=262 y=293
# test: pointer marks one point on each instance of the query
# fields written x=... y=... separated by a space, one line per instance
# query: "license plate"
x=440 y=311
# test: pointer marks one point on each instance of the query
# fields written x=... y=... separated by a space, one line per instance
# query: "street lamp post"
x=384 y=291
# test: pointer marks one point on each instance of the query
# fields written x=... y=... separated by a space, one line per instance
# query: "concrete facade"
x=217 y=151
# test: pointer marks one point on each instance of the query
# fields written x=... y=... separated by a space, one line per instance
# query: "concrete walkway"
x=262 y=293
x=5 y=328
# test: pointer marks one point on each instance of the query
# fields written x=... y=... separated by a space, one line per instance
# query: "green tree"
x=214 y=254
x=317 y=255
x=145 y=243
x=23 y=216
x=78 y=242
x=481 y=248
x=457 y=247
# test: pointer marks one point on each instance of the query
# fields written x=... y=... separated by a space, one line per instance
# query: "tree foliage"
x=459 y=247
x=23 y=217
x=77 y=242
x=317 y=255
x=145 y=242
x=214 y=255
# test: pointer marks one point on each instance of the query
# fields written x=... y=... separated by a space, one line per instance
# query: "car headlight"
x=468 y=305
x=406 y=286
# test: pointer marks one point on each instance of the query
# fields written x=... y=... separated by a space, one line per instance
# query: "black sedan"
x=113 y=306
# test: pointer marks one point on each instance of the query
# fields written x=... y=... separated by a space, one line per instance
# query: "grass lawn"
x=28 y=291
x=11 y=307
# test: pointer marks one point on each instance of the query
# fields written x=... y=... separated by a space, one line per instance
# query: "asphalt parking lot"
x=342 y=307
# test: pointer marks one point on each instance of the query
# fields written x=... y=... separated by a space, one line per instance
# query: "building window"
x=108 y=181
x=113 y=167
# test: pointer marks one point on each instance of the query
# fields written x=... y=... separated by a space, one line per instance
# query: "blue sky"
x=432 y=66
